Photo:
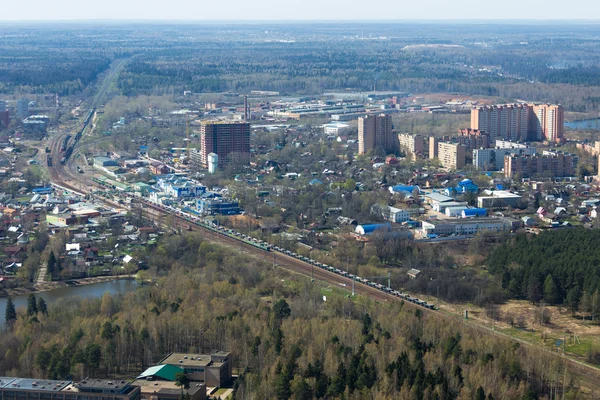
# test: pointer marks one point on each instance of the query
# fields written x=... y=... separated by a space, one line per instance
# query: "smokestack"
x=245 y=108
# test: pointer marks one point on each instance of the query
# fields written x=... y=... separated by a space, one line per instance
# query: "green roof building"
x=165 y=372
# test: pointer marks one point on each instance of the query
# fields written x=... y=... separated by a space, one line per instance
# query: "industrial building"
x=212 y=369
x=223 y=138
x=158 y=383
x=87 y=389
x=465 y=227
x=498 y=199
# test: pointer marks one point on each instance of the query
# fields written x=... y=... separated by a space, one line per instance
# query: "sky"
x=273 y=10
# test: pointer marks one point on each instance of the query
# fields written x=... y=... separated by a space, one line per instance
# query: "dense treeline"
x=561 y=266
x=285 y=341
x=64 y=73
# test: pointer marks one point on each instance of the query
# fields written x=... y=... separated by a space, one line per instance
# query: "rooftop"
x=102 y=384
x=200 y=360
x=440 y=198
x=165 y=371
x=34 y=384
x=164 y=387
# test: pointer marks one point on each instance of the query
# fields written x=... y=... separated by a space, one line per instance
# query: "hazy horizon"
x=308 y=11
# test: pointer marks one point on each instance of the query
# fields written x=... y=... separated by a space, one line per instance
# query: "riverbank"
x=47 y=286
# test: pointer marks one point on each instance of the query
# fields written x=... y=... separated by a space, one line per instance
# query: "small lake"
x=593 y=123
x=89 y=291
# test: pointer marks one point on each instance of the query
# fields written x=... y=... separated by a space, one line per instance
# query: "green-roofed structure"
x=165 y=372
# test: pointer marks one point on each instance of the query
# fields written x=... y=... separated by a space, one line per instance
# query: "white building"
x=455 y=211
x=498 y=198
x=397 y=215
x=213 y=163
x=465 y=227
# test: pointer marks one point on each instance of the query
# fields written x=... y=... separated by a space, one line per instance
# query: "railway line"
x=292 y=263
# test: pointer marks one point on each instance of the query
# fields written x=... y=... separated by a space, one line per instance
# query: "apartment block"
x=412 y=144
x=223 y=138
x=513 y=122
x=507 y=121
x=473 y=139
x=493 y=159
x=451 y=155
x=547 y=122
x=550 y=165
x=433 y=146
x=375 y=132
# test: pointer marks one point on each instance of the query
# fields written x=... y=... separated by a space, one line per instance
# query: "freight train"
x=196 y=220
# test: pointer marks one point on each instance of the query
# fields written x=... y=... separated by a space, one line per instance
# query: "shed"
x=413 y=273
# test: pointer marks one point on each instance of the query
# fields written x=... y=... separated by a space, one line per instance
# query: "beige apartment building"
x=375 y=132
x=451 y=155
x=506 y=121
x=547 y=122
x=551 y=165
x=412 y=144
x=540 y=122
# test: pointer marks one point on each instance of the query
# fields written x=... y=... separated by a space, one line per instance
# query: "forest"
x=285 y=340
x=553 y=63
x=559 y=266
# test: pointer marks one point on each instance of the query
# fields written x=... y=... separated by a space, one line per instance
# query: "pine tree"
x=51 y=266
x=480 y=394
x=31 y=305
x=11 y=314
x=551 y=291
x=42 y=307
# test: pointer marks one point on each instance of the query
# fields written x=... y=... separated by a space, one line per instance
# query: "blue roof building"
x=474 y=212
x=403 y=189
x=365 y=230
x=314 y=182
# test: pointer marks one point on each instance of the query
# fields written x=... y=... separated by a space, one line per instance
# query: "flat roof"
x=439 y=197
x=467 y=221
x=498 y=194
x=200 y=360
x=35 y=384
x=166 y=387
x=4 y=380
x=114 y=385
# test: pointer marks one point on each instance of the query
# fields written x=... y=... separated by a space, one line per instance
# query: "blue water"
x=90 y=291
x=593 y=123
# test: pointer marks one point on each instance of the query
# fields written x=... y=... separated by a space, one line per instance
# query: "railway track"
x=590 y=373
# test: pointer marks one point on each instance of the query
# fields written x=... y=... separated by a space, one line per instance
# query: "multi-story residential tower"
x=547 y=165
x=506 y=121
x=547 y=122
x=375 y=132
x=451 y=155
x=412 y=144
x=540 y=122
x=223 y=139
